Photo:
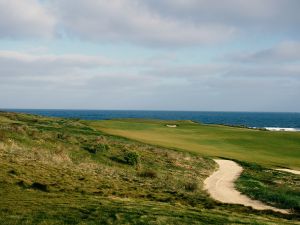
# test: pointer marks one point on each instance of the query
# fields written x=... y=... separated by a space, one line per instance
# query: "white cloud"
x=175 y=22
x=25 y=18
x=265 y=15
x=285 y=52
x=131 y=21
x=29 y=63
x=81 y=81
x=158 y=23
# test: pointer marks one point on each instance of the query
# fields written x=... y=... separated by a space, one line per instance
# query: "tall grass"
x=276 y=188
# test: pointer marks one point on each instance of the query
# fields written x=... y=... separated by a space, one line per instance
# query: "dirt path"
x=220 y=186
x=290 y=171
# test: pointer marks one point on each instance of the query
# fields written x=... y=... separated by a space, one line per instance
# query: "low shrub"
x=63 y=136
x=34 y=134
x=128 y=157
x=60 y=136
x=131 y=158
x=148 y=173
x=95 y=148
x=191 y=186
x=17 y=128
x=2 y=135
x=39 y=186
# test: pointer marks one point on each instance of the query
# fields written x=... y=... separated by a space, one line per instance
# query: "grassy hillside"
x=272 y=149
x=62 y=171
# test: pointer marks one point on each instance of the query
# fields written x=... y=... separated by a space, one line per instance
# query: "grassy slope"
x=50 y=174
x=276 y=188
x=267 y=148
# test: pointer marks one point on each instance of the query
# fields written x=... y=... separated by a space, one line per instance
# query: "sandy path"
x=290 y=171
x=220 y=186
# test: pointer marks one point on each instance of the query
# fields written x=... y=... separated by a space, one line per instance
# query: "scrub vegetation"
x=68 y=171
x=277 y=188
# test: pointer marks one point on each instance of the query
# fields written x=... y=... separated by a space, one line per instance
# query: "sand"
x=171 y=125
x=220 y=186
x=290 y=171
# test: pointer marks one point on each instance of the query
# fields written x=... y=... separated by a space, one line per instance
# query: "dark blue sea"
x=250 y=119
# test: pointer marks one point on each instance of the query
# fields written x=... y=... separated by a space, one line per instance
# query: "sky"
x=199 y=55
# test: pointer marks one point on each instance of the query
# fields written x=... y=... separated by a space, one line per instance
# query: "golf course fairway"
x=272 y=149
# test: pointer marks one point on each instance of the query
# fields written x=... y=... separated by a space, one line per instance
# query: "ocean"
x=249 y=119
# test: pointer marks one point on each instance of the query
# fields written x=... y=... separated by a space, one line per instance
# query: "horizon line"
x=150 y=110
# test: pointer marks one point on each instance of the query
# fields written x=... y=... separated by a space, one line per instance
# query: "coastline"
x=283 y=129
x=259 y=120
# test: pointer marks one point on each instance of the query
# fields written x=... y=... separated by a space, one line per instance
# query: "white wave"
x=282 y=129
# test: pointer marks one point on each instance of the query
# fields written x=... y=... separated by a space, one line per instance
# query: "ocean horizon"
x=271 y=120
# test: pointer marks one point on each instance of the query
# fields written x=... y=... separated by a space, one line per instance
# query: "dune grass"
x=32 y=207
x=65 y=171
x=272 y=149
x=276 y=188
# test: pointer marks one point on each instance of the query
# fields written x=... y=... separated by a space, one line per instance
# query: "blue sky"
x=232 y=55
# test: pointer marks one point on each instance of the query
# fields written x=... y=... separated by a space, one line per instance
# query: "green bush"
x=131 y=158
x=95 y=148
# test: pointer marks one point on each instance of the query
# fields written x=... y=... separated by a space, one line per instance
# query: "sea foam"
x=282 y=129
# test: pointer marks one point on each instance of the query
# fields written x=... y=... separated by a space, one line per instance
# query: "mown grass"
x=271 y=149
x=60 y=171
